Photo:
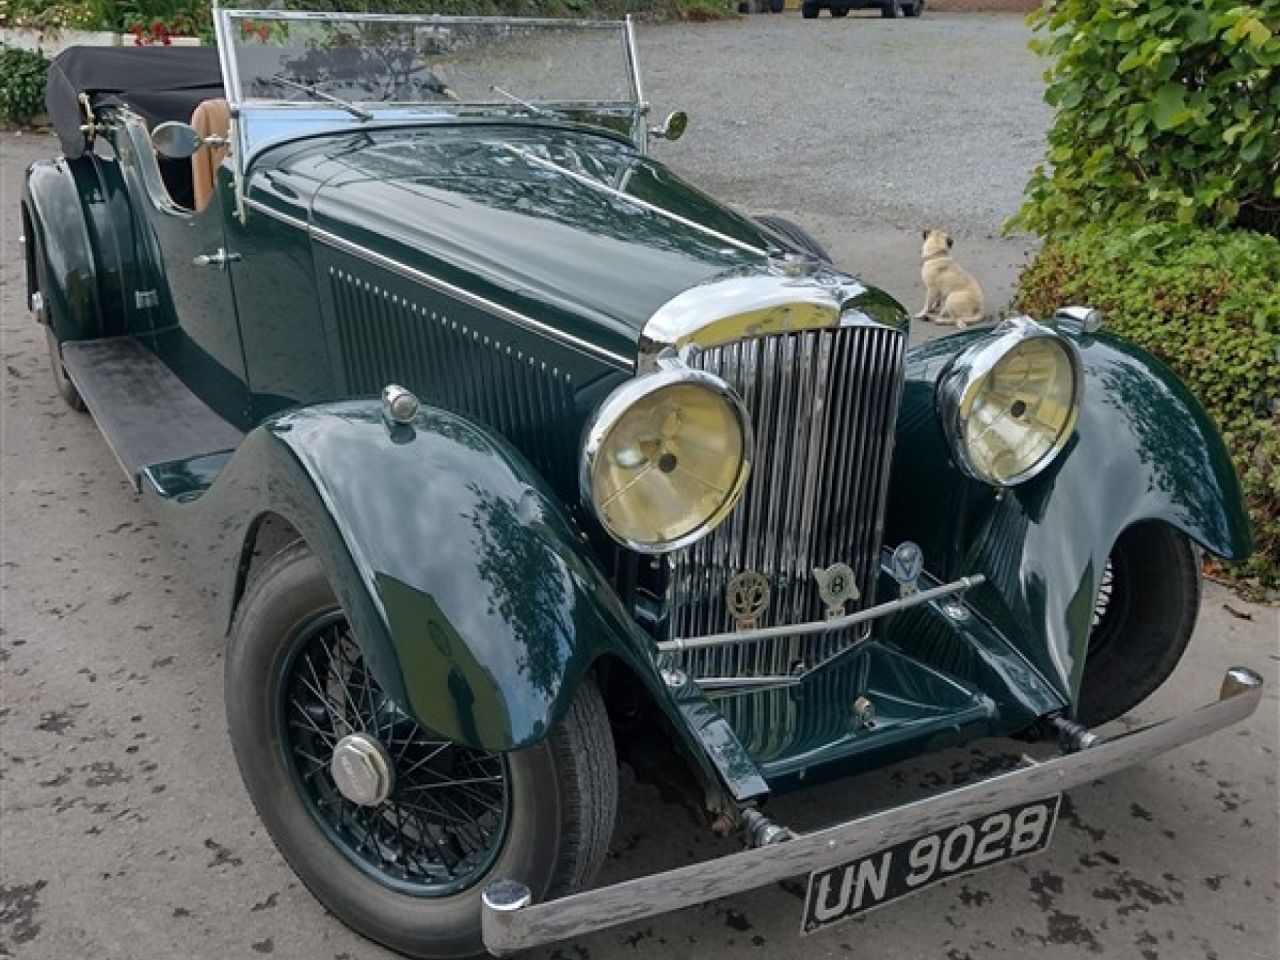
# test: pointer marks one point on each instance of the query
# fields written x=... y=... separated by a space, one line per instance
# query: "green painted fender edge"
x=1144 y=449
x=474 y=599
x=74 y=212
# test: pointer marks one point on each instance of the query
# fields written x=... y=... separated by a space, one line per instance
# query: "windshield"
x=450 y=64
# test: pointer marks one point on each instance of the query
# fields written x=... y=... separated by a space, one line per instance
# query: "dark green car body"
x=466 y=259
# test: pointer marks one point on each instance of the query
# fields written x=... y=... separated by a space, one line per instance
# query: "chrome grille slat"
x=823 y=405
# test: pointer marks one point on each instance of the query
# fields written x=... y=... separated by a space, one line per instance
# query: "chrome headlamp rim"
x=966 y=375
x=618 y=403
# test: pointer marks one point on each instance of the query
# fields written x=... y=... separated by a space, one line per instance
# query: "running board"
x=146 y=414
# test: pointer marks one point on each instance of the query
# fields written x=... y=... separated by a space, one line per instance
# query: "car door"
x=190 y=311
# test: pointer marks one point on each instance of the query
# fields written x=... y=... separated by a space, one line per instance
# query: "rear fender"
x=1144 y=449
x=474 y=599
x=81 y=254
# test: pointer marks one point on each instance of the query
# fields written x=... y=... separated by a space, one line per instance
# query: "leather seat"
x=212 y=118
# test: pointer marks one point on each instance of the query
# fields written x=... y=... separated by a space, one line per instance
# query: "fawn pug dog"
x=951 y=295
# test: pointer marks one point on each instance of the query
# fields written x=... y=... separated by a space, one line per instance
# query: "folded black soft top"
x=159 y=83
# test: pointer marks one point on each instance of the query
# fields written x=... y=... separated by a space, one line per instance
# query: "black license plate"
x=839 y=893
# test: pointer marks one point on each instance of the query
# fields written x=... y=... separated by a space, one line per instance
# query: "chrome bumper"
x=511 y=922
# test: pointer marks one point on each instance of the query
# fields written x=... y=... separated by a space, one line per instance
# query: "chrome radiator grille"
x=823 y=404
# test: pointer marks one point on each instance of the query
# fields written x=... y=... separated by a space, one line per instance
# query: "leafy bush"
x=1163 y=110
x=21 y=84
x=1207 y=303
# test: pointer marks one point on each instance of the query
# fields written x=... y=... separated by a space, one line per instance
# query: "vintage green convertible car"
x=504 y=454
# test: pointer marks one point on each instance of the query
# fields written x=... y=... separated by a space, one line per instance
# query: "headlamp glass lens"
x=1021 y=410
x=672 y=462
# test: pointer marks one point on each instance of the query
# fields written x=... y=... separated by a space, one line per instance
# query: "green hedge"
x=1207 y=302
x=22 y=76
x=1167 y=111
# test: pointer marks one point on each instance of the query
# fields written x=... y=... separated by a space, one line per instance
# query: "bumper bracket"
x=512 y=922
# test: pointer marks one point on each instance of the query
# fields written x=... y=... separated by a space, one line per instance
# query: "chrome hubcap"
x=362 y=770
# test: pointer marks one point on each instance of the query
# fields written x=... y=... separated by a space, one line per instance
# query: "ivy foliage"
x=22 y=76
x=1163 y=110
x=1207 y=303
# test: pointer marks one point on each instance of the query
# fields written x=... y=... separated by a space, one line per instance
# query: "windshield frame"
x=258 y=122
x=227 y=23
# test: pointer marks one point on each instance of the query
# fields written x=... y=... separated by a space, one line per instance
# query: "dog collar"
x=935 y=256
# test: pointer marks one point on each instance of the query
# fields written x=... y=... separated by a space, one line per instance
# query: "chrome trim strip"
x=594 y=184
x=436 y=19
x=519 y=927
x=821 y=626
x=633 y=61
x=238 y=148
x=274 y=214
x=745 y=684
x=763 y=304
x=639 y=126
x=443 y=286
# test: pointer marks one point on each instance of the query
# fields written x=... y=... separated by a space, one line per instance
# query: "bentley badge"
x=836 y=586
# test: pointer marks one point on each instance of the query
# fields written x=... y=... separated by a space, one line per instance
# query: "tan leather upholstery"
x=211 y=119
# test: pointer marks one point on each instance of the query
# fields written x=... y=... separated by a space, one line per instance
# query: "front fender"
x=472 y=596
x=1144 y=449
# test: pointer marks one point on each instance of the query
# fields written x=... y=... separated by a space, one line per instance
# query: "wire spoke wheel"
x=442 y=819
x=394 y=827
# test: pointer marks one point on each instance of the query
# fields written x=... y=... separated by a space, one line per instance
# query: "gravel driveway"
x=126 y=834
x=865 y=130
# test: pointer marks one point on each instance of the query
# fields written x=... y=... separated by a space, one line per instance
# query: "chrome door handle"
x=219 y=259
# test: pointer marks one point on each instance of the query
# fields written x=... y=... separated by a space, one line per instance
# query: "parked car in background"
x=505 y=455
x=890 y=9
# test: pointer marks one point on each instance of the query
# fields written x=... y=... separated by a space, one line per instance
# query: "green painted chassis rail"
x=511 y=922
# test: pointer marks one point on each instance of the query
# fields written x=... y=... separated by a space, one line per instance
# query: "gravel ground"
x=933 y=121
x=865 y=130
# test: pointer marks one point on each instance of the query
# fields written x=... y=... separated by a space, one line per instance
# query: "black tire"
x=777 y=6
x=914 y=9
x=797 y=235
x=809 y=11
x=397 y=871
x=891 y=9
x=61 y=382
x=1143 y=620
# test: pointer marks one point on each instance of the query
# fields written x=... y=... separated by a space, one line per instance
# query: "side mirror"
x=178 y=141
x=673 y=128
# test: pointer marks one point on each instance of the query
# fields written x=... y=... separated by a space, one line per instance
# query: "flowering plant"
x=252 y=30
x=160 y=30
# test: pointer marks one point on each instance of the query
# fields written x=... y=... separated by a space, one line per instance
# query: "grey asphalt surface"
x=125 y=832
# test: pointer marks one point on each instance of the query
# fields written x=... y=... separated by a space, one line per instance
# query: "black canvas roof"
x=159 y=83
